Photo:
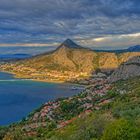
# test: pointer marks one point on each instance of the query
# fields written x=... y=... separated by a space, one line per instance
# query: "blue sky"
x=91 y=23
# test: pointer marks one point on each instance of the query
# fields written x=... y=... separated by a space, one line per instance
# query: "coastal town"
x=22 y=71
x=61 y=112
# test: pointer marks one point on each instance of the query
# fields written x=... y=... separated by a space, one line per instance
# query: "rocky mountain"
x=70 y=44
x=69 y=61
x=67 y=57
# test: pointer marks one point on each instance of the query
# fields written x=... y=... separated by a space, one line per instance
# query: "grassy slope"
x=125 y=108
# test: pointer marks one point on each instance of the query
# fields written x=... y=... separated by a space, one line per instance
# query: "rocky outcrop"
x=128 y=69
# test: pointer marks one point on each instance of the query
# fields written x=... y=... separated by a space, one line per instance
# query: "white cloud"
x=29 y=45
x=116 y=41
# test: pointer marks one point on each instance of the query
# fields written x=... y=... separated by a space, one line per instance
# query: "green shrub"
x=121 y=130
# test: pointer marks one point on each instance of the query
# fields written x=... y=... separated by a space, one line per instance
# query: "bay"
x=18 y=97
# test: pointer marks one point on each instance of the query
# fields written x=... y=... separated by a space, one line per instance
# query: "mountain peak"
x=70 y=44
x=68 y=41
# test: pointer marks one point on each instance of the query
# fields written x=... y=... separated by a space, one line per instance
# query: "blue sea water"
x=18 y=97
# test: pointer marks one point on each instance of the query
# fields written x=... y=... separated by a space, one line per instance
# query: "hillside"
x=67 y=63
x=113 y=115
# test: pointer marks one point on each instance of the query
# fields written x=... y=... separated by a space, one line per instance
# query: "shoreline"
x=45 y=81
x=43 y=103
x=37 y=80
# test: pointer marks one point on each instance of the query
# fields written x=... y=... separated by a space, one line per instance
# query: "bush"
x=121 y=130
x=3 y=131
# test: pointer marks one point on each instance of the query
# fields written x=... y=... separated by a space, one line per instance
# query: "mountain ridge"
x=68 y=62
x=135 y=48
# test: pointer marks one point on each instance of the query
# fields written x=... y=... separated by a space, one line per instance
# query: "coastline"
x=20 y=77
x=41 y=80
x=45 y=95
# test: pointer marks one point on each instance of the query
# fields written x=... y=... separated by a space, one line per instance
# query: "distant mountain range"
x=130 y=49
x=134 y=48
x=11 y=57
x=15 y=55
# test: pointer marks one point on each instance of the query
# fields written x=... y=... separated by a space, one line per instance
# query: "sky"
x=111 y=24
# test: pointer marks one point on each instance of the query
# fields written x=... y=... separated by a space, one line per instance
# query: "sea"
x=19 y=97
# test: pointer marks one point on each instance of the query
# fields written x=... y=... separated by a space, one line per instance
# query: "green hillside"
x=118 y=119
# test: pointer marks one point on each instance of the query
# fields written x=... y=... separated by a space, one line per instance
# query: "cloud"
x=29 y=45
x=49 y=21
x=110 y=41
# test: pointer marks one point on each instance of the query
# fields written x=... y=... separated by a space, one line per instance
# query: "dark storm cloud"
x=49 y=21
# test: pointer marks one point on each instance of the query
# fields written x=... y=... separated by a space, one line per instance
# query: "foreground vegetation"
x=115 y=120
